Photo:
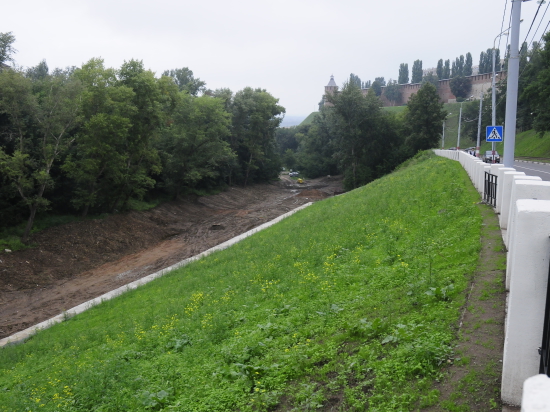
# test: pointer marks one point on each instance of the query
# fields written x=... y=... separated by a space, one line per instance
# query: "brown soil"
x=77 y=262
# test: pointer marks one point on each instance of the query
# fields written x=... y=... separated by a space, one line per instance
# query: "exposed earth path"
x=74 y=263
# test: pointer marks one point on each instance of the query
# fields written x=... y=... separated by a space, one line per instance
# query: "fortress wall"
x=480 y=82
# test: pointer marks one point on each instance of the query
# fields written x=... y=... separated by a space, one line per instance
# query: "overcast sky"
x=289 y=47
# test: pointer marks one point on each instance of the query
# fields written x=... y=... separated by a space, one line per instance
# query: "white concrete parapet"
x=500 y=178
x=510 y=202
x=506 y=190
x=522 y=189
x=530 y=252
x=536 y=394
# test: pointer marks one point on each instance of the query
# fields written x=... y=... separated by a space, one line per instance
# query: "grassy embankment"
x=351 y=303
x=308 y=120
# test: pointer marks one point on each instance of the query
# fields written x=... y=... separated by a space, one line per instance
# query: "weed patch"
x=351 y=303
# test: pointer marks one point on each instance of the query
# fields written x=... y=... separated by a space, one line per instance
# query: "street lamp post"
x=443 y=135
x=493 y=90
x=459 y=123
x=479 y=122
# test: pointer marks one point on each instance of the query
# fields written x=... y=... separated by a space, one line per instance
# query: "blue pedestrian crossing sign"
x=494 y=134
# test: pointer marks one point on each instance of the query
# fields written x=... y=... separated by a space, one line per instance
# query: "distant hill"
x=308 y=120
x=292 y=121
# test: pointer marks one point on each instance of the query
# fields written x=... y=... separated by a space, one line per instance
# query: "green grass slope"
x=351 y=303
x=528 y=144
x=308 y=120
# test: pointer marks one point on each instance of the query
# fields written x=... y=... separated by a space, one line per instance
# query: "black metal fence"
x=490 y=189
x=545 y=349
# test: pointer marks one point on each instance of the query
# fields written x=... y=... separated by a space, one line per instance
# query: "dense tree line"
x=533 y=95
x=357 y=138
x=93 y=139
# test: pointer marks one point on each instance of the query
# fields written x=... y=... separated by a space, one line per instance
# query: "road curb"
x=21 y=336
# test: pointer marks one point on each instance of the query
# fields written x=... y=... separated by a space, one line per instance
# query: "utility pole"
x=512 y=86
x=459 y=121
x=479 y=121
x=493 y=90
x=443 y=136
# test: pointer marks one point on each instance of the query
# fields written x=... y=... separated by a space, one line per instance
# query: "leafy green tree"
x=482 y=68
x=141 y=158
x=376 y=87
x=193 y=145
x=460 y=86
x=439 y=70
x=424 y=118
x=6 y=47
x=454 y=70
x=38 y=72
x=467 y=71
x=431 y=78
x=256 y=116
x=447 y=70
x=417 y=72
x=536 y=85
x=355 y=79
x=185 y=80
x=403 y=73
x=315 y=154
x=43 y=124
x=380 y=80
x=393 y=92
x=364 y=135
x=99 y=157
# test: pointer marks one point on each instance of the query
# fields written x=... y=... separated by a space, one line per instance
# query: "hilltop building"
x=480 y=83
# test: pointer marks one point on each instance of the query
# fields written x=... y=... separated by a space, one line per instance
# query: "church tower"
x=330 y=88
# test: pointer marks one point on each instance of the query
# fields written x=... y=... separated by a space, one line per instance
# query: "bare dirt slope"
x=80 y=261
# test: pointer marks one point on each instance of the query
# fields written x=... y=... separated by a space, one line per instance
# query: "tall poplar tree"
x=417 y=72
x=447 y=70
x=439 y=70
x=468 y=65
x=403 y=73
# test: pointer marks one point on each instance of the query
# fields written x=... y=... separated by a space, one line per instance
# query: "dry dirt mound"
x=80 y=261
x=312 y=194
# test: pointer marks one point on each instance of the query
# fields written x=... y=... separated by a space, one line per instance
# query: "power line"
x=502 y=24
x=540 y=22
x=541 y=2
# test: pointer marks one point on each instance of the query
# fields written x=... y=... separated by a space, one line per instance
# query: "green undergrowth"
x=350 y=304
x=528 y=144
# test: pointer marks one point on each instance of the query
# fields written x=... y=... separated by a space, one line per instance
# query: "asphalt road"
x=532 y=169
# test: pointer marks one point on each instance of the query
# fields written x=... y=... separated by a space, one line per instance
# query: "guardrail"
x=490 y=189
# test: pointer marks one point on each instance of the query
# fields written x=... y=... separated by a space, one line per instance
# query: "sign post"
x=494 y=134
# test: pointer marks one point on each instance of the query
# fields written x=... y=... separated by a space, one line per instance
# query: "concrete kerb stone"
x=530 y=251
x=507 y=179
x=522 y=189
x=500 y=177
x=21 y=336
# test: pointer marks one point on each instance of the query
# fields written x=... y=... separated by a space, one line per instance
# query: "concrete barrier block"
x=522 y=189
x=500 y=175
x=485 y=168
x=536 y=394
x=530 y=248
x=507 y=179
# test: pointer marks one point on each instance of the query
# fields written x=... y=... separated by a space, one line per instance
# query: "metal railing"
x=490 y=189
x=544 y=350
